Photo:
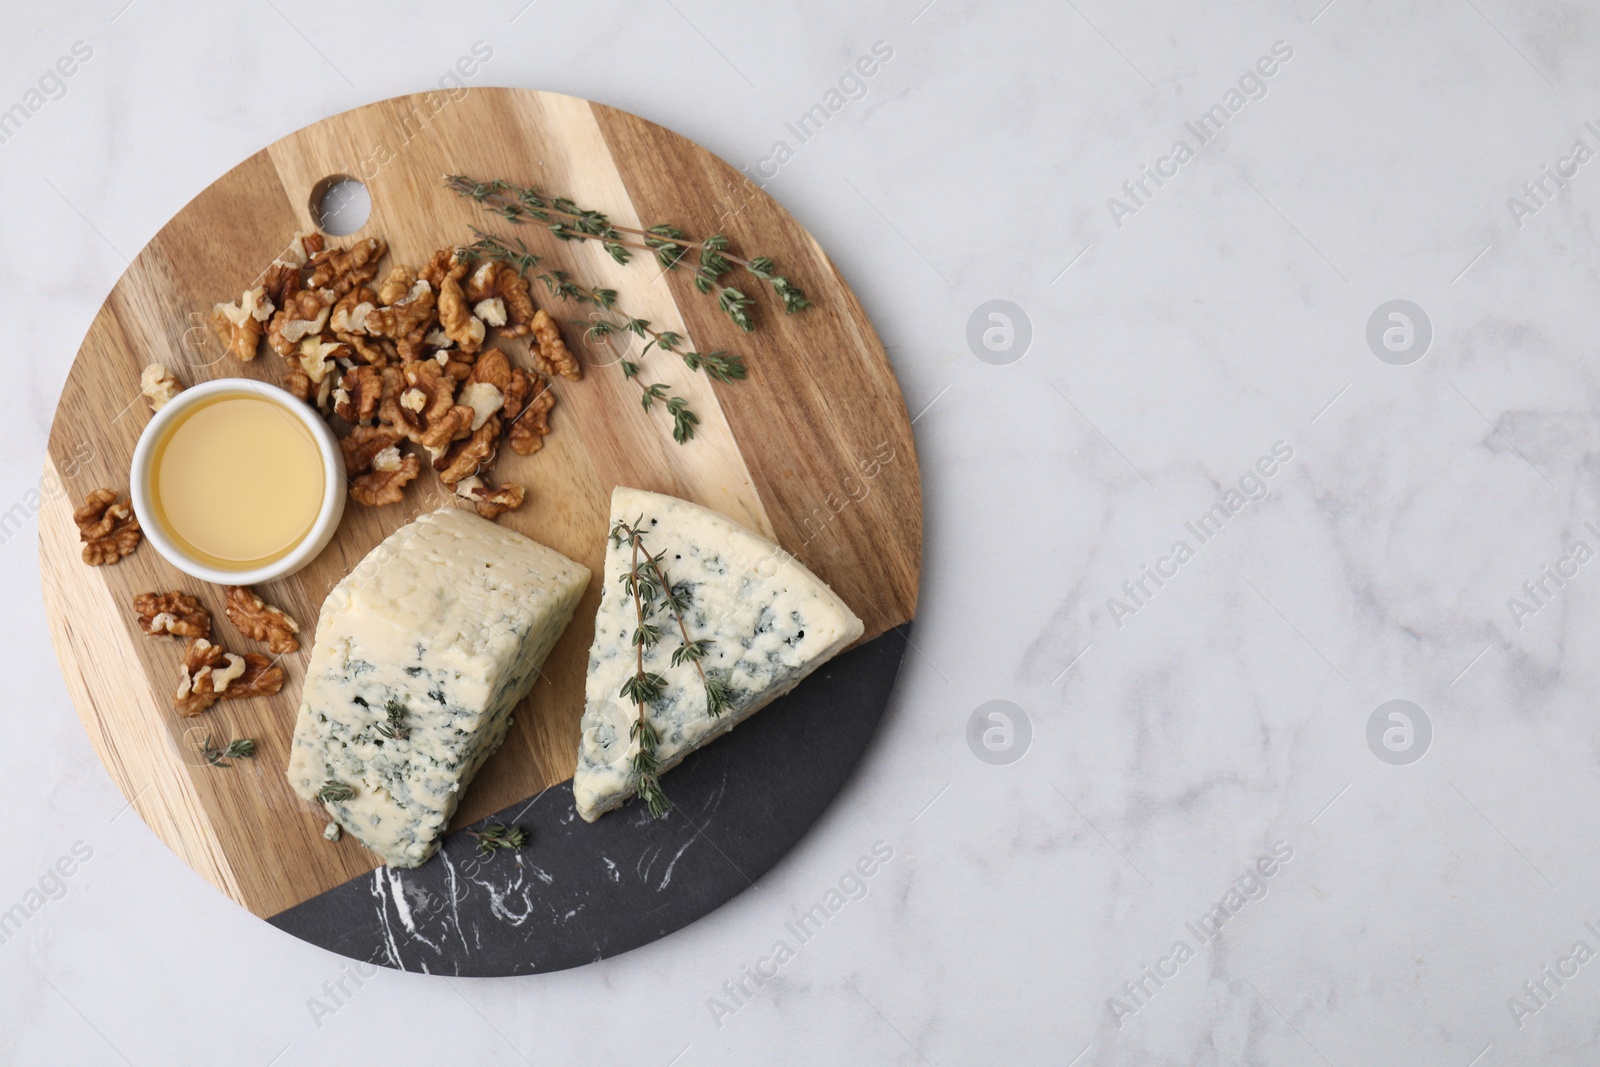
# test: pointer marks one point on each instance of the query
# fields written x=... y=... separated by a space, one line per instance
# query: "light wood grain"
x=814 y=449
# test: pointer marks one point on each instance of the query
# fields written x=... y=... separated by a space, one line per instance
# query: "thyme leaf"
x=395 y=728
x=496 y=836
x=240 y=748
x=335 y=792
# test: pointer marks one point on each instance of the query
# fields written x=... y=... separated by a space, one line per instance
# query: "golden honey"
x=237 y=481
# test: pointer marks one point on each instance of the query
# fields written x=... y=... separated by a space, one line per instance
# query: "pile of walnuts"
x=401 y=361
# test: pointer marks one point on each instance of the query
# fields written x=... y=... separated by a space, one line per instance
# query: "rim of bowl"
x=333 y=477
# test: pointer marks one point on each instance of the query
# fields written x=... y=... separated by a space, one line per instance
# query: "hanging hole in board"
x=340 y=205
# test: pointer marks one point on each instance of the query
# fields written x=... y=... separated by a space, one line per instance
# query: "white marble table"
x=1053 y=884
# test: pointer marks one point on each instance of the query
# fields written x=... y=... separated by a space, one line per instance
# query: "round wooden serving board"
x=813 y=450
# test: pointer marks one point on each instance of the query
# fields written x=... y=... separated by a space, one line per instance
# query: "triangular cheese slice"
x=766 y=620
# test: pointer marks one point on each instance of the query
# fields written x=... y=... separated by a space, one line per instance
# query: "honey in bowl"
x=237 y=481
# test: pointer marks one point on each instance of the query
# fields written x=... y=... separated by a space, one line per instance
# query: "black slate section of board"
x=579 y=892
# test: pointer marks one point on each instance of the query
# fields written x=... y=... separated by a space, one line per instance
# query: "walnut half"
x=178 y=614
x=360 y=390
x=159 y=385
x=378 y=472
x=260 y=621
x=304 y=315
x=109 y=530
x=491 y=502
x=407 y=320
x=525 y=399
x=529 y=423
x=195 y=693
x=258 y=679
x=505 y=292
x=470 y=456
x=385 y=483
x=419 y=402
x=550 y=353
x=456 y=318
x=239 y=325
x=210 y=673
x=344 y=269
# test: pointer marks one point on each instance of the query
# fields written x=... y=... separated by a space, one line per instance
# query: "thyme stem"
x=677 y=615
x=240 y=748
x=643 y=732
x=692 y=651
x=500 y=199
x=670 y=245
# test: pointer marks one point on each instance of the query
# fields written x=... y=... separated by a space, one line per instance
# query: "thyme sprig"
x=394 y=728
x=240 y=748
x=652 y=584
x=612 y=319
x=669 y=244
x=335 y=792
x=643 y=687
x=495 y=836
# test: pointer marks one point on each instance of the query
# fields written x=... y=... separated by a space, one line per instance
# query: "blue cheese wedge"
x=421 y=654
x=768 y=620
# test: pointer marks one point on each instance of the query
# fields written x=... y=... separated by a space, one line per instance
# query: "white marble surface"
x=1227 y=716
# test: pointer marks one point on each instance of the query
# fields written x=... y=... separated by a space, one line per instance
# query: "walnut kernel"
x=260 y=621
x=108 y=529
x=178 y=614
x=159 y=385
x=528 y=428
x=239 y=325
x=491 y=503
x=494 y=280
x=550 y=355
x=385 y=486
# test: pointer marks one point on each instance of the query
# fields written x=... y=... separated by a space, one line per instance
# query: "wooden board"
x=783 y=452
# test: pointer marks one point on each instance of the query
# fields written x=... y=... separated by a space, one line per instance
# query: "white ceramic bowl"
x=333 y=493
